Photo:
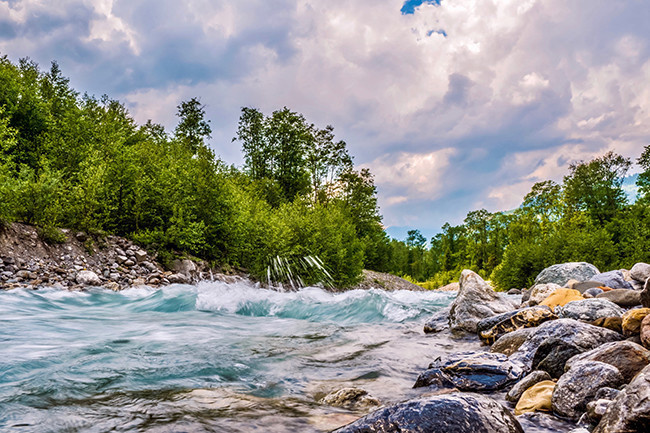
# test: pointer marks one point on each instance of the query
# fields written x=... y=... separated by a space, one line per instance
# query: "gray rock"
x=476 y=300
x=140 y=256
x=628 y=357
x=88 y=278
x=607 y=393
x=350 y=398
x=586 y=286
x=514 y=292
x=579 y=334
x=613 y=279
x=121 y=258
x=597 y=408
x=552 y=355
x=456 y=413
x=622 y=297
x=645 y=294
x=589 y=310
x=149 y=266
x=579 y=386
x=438 y=322
x=129 y=263
x=520 y=387
x=561 y=273
x=630 y=410
x=539 y=292
x=471 y=372
x=510 y=342
x=178 y=279
x=592 y=292
x=186 y=267
x=640 y=272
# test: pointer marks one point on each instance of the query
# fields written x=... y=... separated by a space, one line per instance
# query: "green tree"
x=192 y=129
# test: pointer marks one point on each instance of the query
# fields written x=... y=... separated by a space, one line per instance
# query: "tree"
x=643 y=180
x=192 y=128
x=258 y=156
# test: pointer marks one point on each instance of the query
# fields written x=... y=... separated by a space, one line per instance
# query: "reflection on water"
x=212 y=357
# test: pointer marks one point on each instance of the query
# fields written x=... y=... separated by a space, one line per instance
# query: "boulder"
x=592 y=292
x=589 y=310
x=536 y=398
x=612 y=323
x=632 y=321
x=88 y=278
x=560 y=274
x=640 y=272
x=470 y=371
x=514 y=292
x=178 y=279
x=580 y=384
x=597 y=408
x=539 y=292
x=645 y=331
x=140 y=256
x=622 y=297
x=490 y=329
x=613 y=279
x=561 y=297
x=645 y=294
x=185 y=267
x=438 y=322
x=579 y=334
x=583 y=286
x=455 y=413
x=628 y=357
x=476 y=300
x=552 y=355
x=531 y=379
x=630 y=410
x=350 y=398
x=510 y=342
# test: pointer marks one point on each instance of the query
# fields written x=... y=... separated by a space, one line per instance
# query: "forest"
x=296 y=207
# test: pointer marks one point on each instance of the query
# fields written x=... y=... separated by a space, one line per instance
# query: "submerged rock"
x=350 y=398
x=438 y=322
x=589 y=310
x=579 y=334
x=510 y=342
x=630 y=410
x=471 y=372
x=613 y=279
x=580 y=384
x=520 y=387
x=628 y=357
x=536 y=398
x=476 y=300
x=561 y=273
x=455 y=413
x=492 y=328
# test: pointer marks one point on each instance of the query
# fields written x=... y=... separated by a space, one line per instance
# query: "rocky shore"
x=576 y=347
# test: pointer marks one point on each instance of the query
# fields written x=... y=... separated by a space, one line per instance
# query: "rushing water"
x=213 y=357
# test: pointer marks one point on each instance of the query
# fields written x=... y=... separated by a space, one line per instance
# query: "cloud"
x=498 y=94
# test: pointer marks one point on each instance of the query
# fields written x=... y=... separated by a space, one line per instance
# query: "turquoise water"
x=212 y=357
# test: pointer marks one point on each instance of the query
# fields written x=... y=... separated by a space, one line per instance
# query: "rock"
x=579 y=386
x=592 y=292
x=471 y=372
x=178 y=279
x=629 y=358
x=149 y=266
x=120 y=252
x=451 y=287
x=579 y=334
x=490 y=329
x=88 y=278
x=350 y=398
x=561 y=297
x=632 y=321
x=645 y=332
x=476 y=300
x=640 y=272
x=622 y=297
x=645 y=294
x=513 y=292
x=525 y=295
x=185 y=267
x=612 y=323
x=539 y=292
x=630 y=410
x=589 y=310
x=531 y=379
x=586 y=285
x=536 y=398
x=560 y=274
x=607 y=393
x=438 y=322
x=112 y=285
x=552 y=355
x=455 y=413
x=510 y=342
x=597 y=408
x=140 y=256
x=81 y=237
x=139 y=282
x=129 y=263
x=613 y=279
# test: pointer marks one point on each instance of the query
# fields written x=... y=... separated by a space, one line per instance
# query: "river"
x=211 y=357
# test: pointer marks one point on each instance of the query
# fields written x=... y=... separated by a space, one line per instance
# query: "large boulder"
x=622 y=297
x=88 y=278
x=580 y=384
x=640 y=272
x=455 y=413
x=579 y=334
x=536 y=398
x=470 y=371
x=476 y=300
x=589 y=310
x=490 y=329
x=520 y=387
x=552 y=355
x=510 y=342
x=630 y=410
x=560 y=274
x=438 y=322
x=628 y=357
x=613 y=279
x=539 y=292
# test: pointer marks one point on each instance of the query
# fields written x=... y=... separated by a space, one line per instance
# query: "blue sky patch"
x=440 y=32
x=410 y=5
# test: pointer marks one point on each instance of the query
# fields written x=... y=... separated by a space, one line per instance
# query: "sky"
x=454 y=105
